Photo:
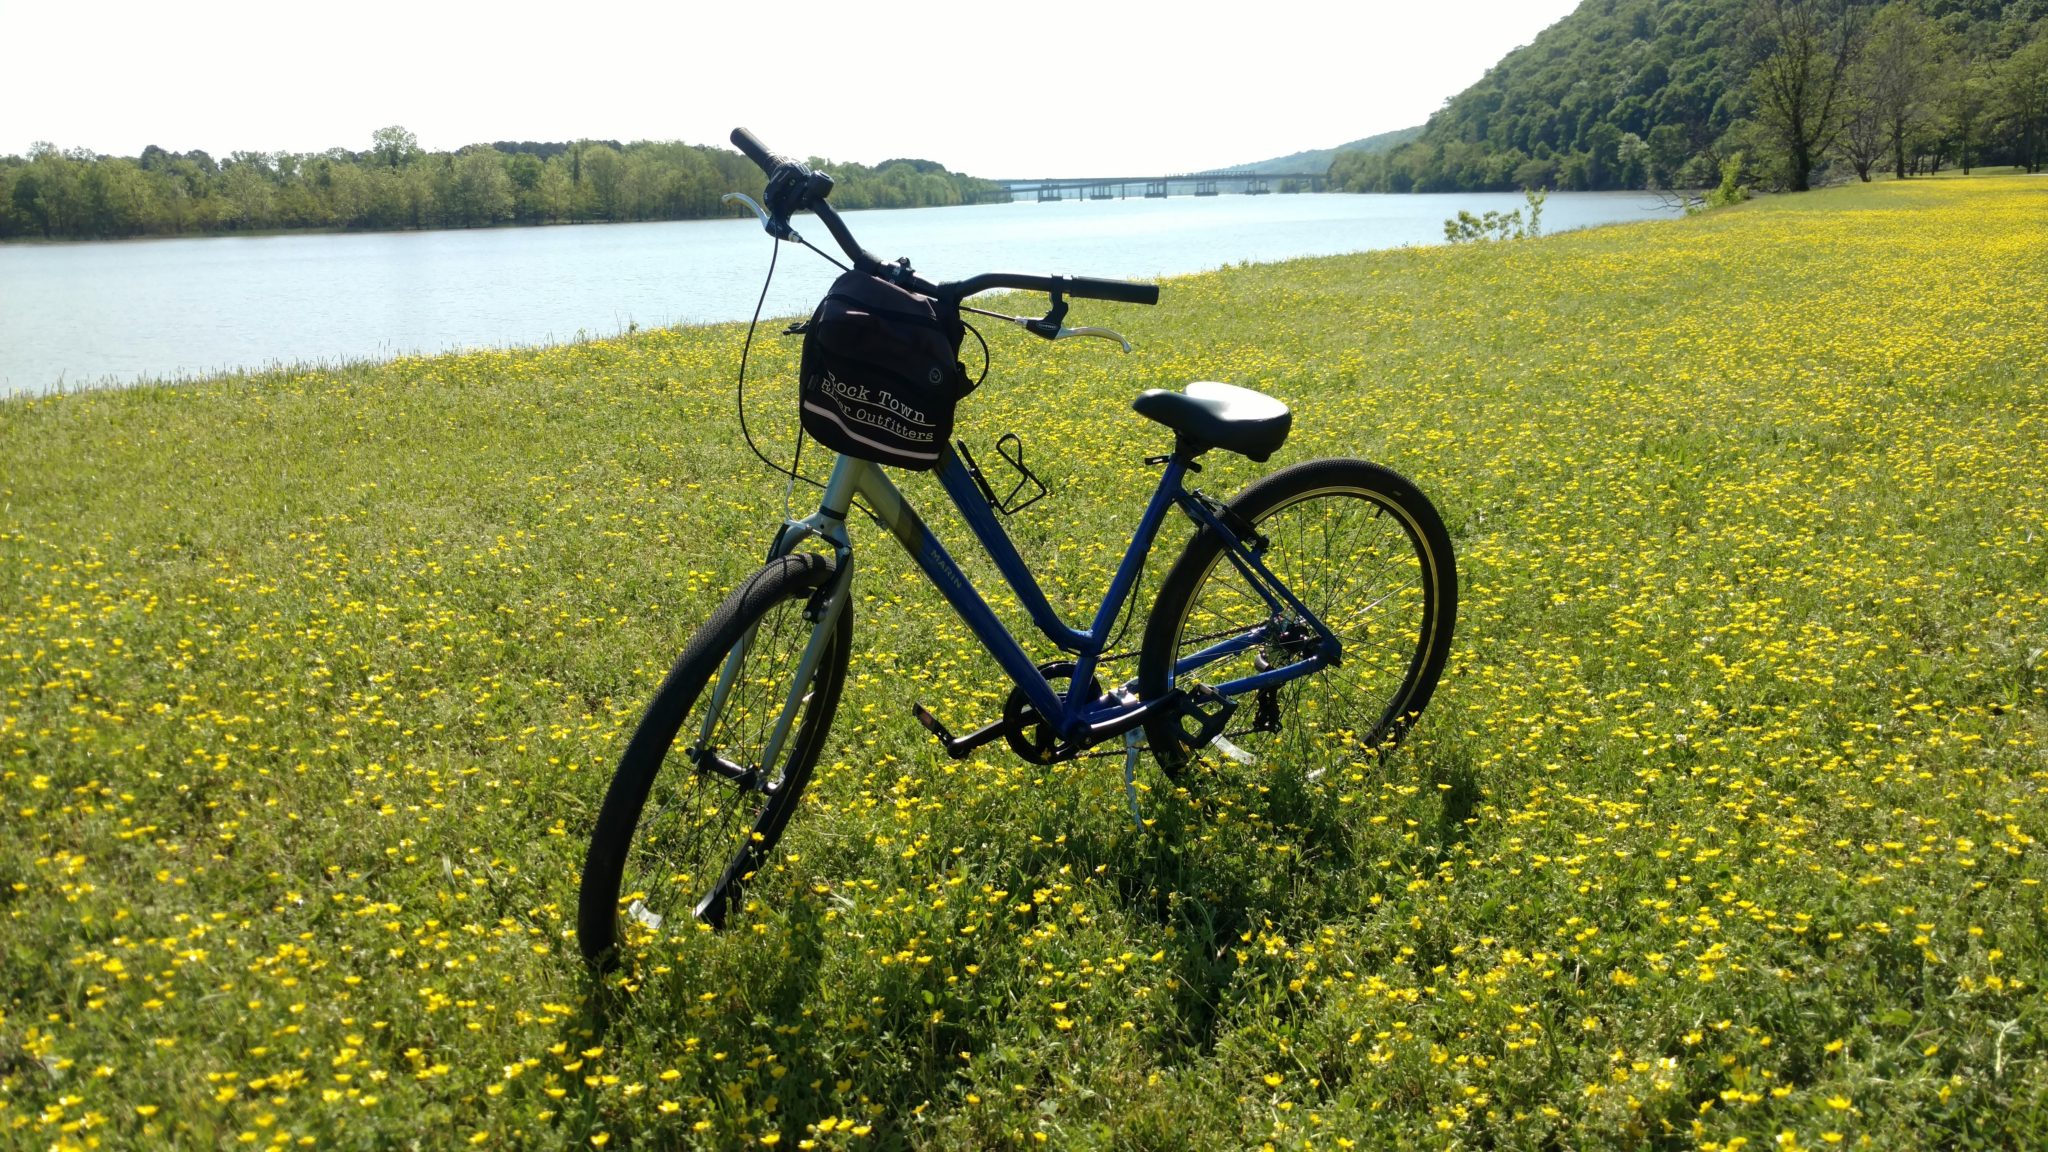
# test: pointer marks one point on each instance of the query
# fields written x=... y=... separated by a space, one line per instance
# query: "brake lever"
x=1099 y=333
x=768 y=223
x=1051 y=329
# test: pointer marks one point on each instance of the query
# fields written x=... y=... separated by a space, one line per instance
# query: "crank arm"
x=961 y=747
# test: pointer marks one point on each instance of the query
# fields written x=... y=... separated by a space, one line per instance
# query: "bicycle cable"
x=740 y=399
x=986 y=360
x=827 y=256
x=1130 y=605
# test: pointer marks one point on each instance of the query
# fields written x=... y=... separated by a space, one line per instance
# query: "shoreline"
x=628 y=327
x=502 y=226
x=517 y=225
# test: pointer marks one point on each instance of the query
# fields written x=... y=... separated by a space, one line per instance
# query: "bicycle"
x=1324 y=593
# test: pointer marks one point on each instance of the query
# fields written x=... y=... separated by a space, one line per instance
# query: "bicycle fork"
x=823 y=612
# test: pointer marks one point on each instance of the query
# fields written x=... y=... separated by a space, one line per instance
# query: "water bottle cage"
x=1011 y=449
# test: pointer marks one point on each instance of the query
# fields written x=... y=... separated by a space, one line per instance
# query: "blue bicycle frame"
x=1080 y=717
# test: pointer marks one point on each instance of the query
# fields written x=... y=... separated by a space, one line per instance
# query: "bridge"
x=1236 y=182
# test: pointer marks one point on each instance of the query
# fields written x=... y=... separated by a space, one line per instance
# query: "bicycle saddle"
x=1222 y=416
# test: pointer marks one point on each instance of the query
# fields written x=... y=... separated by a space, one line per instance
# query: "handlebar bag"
x=881 y=372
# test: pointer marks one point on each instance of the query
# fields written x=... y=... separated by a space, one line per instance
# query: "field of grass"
x=1722 y=831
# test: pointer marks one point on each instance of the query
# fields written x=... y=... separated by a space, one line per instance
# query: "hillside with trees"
x=1625 y=94
x=394 y=184
x=1318 y=159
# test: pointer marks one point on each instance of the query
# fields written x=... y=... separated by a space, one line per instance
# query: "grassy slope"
x=1723 y=824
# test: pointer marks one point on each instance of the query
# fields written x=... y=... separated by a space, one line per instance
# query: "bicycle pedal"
x=1200 y=717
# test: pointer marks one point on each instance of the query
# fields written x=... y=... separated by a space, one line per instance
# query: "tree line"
x=75 y=193
x=1664 y=94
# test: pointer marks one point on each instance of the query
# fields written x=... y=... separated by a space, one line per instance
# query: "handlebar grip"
x=1120 y=291
x=750 y=146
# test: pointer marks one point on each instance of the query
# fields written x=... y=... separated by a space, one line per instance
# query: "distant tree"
x=114 y=198
x=476 y=189
x=259 y=162
x=1670 y=147
x=555 y=196
x=47 y=193
x=12 y=224
x=2024 y=86
x=394 y=146
x=1799 y=85
x=1863 y=139
x=1357 y=172
x=1963 y=102
x=1896 y=75
x=249 y=203
x=524 y=170
x=346 y=189
x=1677 y=74
x=1536 y=173
x=1632 y=158
x=79 y=194
x=415 y=188
x=604 y=181
x=1603 y=156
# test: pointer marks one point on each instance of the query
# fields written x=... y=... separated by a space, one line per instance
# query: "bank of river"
x=78 y=315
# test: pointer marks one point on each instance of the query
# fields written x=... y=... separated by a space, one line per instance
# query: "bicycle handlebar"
x=1116 y=291
x=1078 y=287
x=793 y=187
x=751 y=147
x=785 y=173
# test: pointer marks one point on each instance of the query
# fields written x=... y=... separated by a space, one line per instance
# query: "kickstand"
x=1134 y=747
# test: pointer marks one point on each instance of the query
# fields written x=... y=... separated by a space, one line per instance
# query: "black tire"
x=1337 y=530
x=704 y=834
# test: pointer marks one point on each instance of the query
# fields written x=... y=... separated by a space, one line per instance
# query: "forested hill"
x=1627 y=93
x=1318 y=159
x=79 y=194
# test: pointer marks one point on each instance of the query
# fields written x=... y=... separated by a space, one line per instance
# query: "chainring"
x=1031 y=735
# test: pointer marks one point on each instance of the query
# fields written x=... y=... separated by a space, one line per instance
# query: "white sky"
x=994 y=90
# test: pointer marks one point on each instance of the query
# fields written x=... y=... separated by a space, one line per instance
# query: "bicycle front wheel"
x=693 y=810
x=1363 y=550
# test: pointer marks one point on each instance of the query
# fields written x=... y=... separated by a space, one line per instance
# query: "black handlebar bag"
x=881 y=372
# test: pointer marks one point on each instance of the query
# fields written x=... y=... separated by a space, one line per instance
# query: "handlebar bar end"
x=751 y=147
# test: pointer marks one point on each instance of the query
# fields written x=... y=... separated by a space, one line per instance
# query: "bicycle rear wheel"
x=1366 y=553
x=692 y=810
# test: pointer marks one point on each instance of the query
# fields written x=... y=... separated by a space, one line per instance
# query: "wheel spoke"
x=700 y=812
x=1359 y=569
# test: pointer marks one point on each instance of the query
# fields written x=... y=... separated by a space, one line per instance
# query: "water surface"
x=76 y=315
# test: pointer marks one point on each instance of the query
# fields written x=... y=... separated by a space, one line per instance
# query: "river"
x=80 y=315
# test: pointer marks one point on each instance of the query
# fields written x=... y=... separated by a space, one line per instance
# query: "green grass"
x=1723 y=826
